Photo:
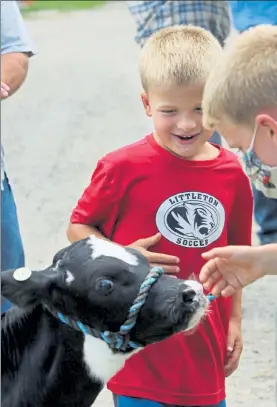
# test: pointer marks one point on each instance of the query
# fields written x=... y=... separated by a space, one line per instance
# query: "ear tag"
x=22 y=274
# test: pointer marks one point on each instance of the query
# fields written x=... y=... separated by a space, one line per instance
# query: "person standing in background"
x=151 y=16
x=246 y=14
x=16 y=49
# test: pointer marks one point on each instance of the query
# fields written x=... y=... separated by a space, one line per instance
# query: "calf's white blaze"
x=101 y=247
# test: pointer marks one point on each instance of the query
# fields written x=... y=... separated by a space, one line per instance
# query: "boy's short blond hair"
x=178 y=55
x=245 y=80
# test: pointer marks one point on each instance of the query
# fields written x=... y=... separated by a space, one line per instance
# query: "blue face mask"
x=261 y=175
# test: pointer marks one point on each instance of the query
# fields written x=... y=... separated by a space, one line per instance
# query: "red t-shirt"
x=141 y=189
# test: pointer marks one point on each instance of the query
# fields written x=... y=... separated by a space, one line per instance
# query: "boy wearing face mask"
x=240 y=101
x=246 y=14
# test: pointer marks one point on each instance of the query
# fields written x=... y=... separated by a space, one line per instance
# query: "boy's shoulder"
x=231 y=159
x=128 y=154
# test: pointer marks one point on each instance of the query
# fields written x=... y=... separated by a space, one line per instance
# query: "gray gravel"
x=81 y=100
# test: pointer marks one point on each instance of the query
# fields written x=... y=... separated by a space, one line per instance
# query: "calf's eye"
x=104 y=286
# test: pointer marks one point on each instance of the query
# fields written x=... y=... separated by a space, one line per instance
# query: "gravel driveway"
x=81 y=100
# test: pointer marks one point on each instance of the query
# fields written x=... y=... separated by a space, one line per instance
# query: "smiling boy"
x=171 y=195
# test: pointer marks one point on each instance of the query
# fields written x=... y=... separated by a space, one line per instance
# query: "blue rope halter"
x=120 y=340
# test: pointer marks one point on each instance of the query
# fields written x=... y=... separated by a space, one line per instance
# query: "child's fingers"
x=159 y=258
x=4 y=86
x=231 y=365
x=227 y=291
x=218 y=287
x=166 y=268
x=4 y=93
x=209 y=274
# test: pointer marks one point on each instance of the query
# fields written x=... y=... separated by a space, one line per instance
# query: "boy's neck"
x=205 y=153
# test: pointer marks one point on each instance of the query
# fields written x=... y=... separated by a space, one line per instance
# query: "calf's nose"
x=188 y=295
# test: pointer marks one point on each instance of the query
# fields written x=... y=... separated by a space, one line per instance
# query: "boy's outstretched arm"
x=233 y=267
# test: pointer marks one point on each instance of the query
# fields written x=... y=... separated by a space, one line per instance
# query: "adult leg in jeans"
x=12 y=253
x=265 y=213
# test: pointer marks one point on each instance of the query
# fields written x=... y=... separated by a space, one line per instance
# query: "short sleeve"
x=98 y=202
x=14 y=34
x=240 y=231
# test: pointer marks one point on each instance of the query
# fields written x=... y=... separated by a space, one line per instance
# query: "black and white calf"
x=90 y=286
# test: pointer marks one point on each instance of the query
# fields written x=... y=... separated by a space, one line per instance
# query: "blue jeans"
x=265 y=212
x=12 y=253
x=122 y=401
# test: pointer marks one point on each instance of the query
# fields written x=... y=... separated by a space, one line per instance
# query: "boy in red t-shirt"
x=173 y=195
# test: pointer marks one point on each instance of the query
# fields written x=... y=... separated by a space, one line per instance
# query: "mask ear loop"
x=247 y=155
x=250 y=148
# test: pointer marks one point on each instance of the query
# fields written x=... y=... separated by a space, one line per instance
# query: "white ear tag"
x=22 y=274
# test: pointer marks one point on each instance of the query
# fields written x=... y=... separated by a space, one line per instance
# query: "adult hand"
x=234 y=346
x=231 y=268
x=5 y=89
x=167 y=262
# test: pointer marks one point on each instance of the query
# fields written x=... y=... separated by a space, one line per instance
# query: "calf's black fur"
x=46 y=363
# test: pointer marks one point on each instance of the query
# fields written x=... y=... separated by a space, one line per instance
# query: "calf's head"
x=96 y=282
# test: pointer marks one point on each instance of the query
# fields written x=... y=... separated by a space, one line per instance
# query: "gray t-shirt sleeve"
x=14 y=34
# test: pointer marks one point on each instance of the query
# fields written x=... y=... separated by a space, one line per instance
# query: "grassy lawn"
x=41 y=5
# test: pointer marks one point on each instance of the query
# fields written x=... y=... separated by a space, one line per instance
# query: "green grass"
x=41 y=5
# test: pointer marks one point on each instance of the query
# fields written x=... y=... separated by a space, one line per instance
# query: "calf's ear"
x=24 y=287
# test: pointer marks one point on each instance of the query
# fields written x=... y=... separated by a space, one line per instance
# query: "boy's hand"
x=167 y=262
x=230 y=268
x=4 y=90
x=234 y=346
